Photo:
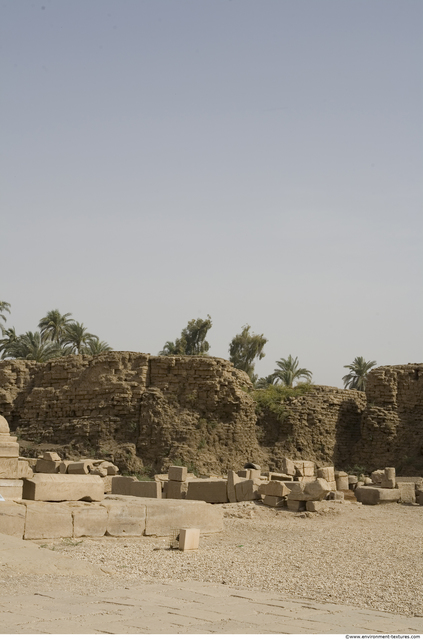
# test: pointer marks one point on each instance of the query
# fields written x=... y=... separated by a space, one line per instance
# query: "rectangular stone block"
x=175 y=490
x=47 y=466
x=47 y=520
x=24 y=469
x=107 y=482
x=146 y=489
x=233 y=479
x=288 y=467
x=189 y=539
x=342 y=483
x=304 y=468
x=163 y=517
x=274 y=501
x=296 y=505
x=254 y=474
x=375 y=495
x=315 y=505
x=51 y=455
x=327 y=473
x=59 y=487
x=274 y=488
x=88 y=519
x=273 y=475
x=122 y=485
x=213 y=491
x=247 y=490
x=388 y=478
x=243 y=473
x=9 y=468
x=126 y=515
x=407 y=491
x=177 y=473
x=9 y=450
x=11 y=489
x=12 y=519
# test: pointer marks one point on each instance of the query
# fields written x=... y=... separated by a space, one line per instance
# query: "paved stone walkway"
x=190 y=607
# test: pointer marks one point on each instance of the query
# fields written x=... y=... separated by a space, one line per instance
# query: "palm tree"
x=6 y=342
x=263 y=383
x=53 y=325
x=288 y=371
x=31 y=346
x=357 y=377
x=4 y=306
x=95 y=346
x=77 y=337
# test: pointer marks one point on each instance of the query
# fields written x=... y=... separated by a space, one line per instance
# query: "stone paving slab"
x=191 y=608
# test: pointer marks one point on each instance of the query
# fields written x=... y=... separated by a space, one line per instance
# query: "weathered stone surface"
x=4 y=425
x=177 y=473
x=126 y=515
x=59 y=487
x=47 y=520
x=11 y=489
x=122 y=485
x=247 y=490
x=213 y=491
x=189 y=539
x=233 y=479
x=316 y=505
x=165 y=516
x=375 y=495
x=273 y=475
x=88 y=519
x=307 y=491
x=9 y=449
x=342 y=483
x=12 y=518
x=327 y=473
x=274 y=488
x=288 y=467
x=388 y=478
x=303 y=468
x=24 y=469
x=273 y=501
x=47 y=466
x=296 y=505
x=377 y=476
x=174 y=490
x=83 y=467
x=146 y=489
x=51 y=455
x=407 y=491
x=9 y=468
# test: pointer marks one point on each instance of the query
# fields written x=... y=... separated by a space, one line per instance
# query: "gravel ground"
x=352 y=554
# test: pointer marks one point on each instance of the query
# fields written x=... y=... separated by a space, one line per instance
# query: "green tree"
x=357 y=377
x=31 y=346
x=9 y=338
x=245 y=348
x=264 y=383
x=192 y=341
x=77 y=337
x=94 y=346
x=53 y=325
x=289 y=370
x=4 y=307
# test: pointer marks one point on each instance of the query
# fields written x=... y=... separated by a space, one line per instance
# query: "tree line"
x=60 y=335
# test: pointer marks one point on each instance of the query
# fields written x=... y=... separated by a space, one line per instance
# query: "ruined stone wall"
x=392 y=423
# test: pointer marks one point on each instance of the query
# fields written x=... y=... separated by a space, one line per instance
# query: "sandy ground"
x=352 y=554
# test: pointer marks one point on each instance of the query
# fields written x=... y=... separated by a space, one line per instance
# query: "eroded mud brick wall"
x=392 y=423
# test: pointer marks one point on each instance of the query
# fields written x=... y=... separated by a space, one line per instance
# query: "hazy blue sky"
x=256 y=160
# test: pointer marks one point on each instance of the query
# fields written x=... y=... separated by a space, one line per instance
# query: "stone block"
x=407 y=491
x=177 y=473
x=6 y=437
x=24 y=469
x=163 y=517
x=122 y=485
x=342 y=483
x=47 y=520
x=302 y=491
x=388 y=478
x=254 y=474
x=419 y=499
x=83 y=467
x=174 y=490
x=107 y=482
x=247 y=490
x=303 y=468
x=288 y=467
x=244 y=473
x=9 y=450
x=59 y=487
x=335 y=495
x=12 y=518
x=273 y=501
x=9 y=468
x=296 y=505
x=233 y=479
x=146 y=489
x=88 y=519
x=332 y=485
x=273 y=475
x=11 y=489
x=189 y=539
x=213 y=491
x=112 y=469
x=316 y=505
x=274 y=488
x=327 y=473
x=51 y=455
x=4 y=425
x=47 y=466
x=375 y=495
x=126 y=515
x=377 y=476
x=98 y=471
x=63 y=466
